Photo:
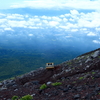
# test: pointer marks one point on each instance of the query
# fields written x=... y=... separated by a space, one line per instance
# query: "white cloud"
x=62 y=16
x=46 y=17
x=64 y=19
x=83 y=29
x=74 y=12
x=8 y=29
x=97 y=29
x=71 y=25
x=96 y=41
x=2 y=15
x=68 y=36
x=57 y=19
x=74 y=30
x=89 y=20
x=33 y=27
x=17 y=23
x=91 y=34
x=30 y=34
x=59 y=4
x=63 y=27
x=15 y=16
x=2 y=21
x=53 y=23
x=45 y=22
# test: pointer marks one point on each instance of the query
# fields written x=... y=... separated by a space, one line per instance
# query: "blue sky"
x=83 y=17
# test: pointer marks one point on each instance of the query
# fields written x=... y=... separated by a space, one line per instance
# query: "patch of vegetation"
x=93 y=72
x=56 y=83
x=92 y=77
x=43 y=86
x=15 y=98
x=73 y=68
x=26 y=97
x=74 y=81
x=81 y=78
x=69 y=63
x=79 y=58
x=99 y=93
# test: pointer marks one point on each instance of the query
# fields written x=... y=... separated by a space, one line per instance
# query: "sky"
x=6 y=4
x=82 y=18
x=51 y=4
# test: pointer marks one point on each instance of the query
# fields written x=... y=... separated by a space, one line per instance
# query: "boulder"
x=95 y=54
x=88 y=60
x=1 y=84
x=3 y=88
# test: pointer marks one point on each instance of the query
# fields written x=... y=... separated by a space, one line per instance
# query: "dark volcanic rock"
x=77 y=96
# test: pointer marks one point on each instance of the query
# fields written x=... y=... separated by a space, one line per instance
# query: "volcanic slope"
x=79 y=79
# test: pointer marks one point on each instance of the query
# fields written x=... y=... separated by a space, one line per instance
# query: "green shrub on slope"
x=56 y=83
x=43 y=86
x=26 y=97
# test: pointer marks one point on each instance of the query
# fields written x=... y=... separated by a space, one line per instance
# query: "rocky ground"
x=80 y=78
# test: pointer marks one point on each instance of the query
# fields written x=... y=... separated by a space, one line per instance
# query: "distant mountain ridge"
x=30 y=11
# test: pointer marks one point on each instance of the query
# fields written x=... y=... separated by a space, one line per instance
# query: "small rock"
x=9 y=84
x=14 y=86
x=40 y=91
x=27 y=84
x=79 y=88
x=65 y=90
x=91 y=86
x=67 y=70
x=33 y=94
x=87 y=66
x=77 y=96
x=55 y=93
x=35 y=82
x=16 y=90
x=60 y=88
x=87 y=75
x=97 y=76
x=48 y=83
x=88 y=96
x=97 y=89
x=63 y=78
x=80 y=64
x=69 y=87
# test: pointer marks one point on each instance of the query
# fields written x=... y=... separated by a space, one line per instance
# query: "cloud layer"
x=73 y=21
x=59 y=4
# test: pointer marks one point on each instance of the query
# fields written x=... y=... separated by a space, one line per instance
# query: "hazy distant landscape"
x=15 y=62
